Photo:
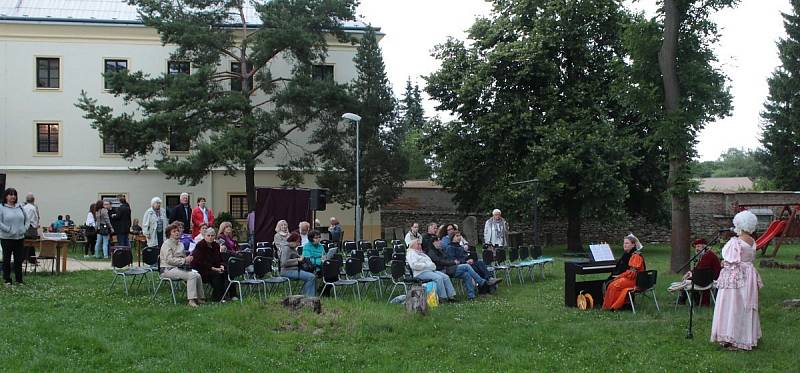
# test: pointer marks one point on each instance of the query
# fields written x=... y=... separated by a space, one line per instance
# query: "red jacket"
x=197 y=220
x=710 y=260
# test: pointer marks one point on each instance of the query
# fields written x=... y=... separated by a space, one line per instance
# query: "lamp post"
x=357 y=119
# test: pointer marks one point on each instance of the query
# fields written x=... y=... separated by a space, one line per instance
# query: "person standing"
x=154 y=222
x=413 y=234
x=91 y=231
x=183 y=213
x=121 y=221
x=201 y=214
x=335 y=230
x=13 y=224
x=32 y=212
x=104 y=229
x=495 y=230
x=736 y=323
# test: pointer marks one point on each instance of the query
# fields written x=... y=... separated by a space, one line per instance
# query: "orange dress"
x=617 y=290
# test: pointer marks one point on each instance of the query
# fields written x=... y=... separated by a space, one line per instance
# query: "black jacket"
x=439 y=258
x=183 y=214
x=121 y=218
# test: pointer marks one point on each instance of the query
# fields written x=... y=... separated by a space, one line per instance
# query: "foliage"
x=413 y=122
x=781 y=136
x=78 y=325
x=230 y=129
x=732 y=163
x=235 y=224
x=382 y=164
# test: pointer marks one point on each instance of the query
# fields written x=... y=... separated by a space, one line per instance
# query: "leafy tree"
x=413 y=124
x=238 y=128
x=732 y=163
x=537 y=95
x=781 y=136
x=383 y=165
x=694 y=93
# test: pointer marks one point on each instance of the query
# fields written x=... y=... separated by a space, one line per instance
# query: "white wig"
x=154 y=201
x=744 y=222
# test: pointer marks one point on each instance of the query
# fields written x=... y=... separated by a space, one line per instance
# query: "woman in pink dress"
x=736 y=325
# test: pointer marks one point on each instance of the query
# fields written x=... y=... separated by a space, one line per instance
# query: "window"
x=48 y=72
x=113 y=198
x=109 y=147
x=114 y=65
x=236 y=84
x=47 y=137
x=172 y=200
x=178 y=68
x=178 y=141
x=322 y=72
x=237 y=204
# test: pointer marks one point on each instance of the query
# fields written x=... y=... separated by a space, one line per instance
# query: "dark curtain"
x=273 y=205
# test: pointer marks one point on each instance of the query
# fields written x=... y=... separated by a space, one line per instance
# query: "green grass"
x=71 y=323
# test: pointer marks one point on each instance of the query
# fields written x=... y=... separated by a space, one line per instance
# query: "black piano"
x=594 y=287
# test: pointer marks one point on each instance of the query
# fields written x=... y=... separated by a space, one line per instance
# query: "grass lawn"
x=70 y=322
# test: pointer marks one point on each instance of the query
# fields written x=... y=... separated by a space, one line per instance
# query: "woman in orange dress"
x=617 y=291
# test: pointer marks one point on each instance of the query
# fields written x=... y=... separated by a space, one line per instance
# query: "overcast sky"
x=746 y=50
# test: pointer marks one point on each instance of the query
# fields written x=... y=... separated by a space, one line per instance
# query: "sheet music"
x=601 y=252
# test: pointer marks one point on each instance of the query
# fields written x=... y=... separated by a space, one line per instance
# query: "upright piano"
x=594 y=287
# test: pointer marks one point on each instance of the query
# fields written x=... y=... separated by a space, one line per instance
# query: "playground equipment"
x=786 y=225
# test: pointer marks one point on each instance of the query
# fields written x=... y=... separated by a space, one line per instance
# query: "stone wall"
x=709 y=211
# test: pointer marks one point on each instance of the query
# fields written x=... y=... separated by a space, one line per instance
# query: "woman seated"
x=313 y=249
x=291 y=265
x=423 y=268
x=281 y=234
x=208 y=261
x=136 y=228
x=227 y=241
x=176 y=265
x=200 y=236
x=617 y=290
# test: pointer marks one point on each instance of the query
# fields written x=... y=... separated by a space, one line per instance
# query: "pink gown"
x=736 y=312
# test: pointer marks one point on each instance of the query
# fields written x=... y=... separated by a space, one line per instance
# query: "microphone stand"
x=689 y=334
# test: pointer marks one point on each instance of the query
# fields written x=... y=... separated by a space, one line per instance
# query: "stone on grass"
x=298 y=302
x=792 y=303
x=417 y=301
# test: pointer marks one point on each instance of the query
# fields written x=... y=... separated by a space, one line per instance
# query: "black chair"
x=357 y=254
x=264 y=244
x=499 y=263
x=267 y=251
x=324 y=243
x=236 y=270
x=373 y=252
x=364 y=245
x=401 y=275
x=645 y=283
x=349 y=246
x=702 y=282
x=244 y=246
x=173 y=283
x=398 y=257
x=377 y=268
x=330 y=278
x=262 y=269
x=379 y=244
x=354 y=270
x=387 y=255
x=121 y=261
x=399 y=248
x=396 y=242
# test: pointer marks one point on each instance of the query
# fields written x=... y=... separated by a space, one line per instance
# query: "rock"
x=297 y=302
x=772 y=263
x=416 y=301
x=469 y=230
x=791 y=303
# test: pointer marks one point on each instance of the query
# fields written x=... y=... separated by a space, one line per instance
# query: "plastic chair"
x=262 y=267
x=354 y=270
x=330 y=278
x=121 y=261
x=236 y=271
x=645 y=283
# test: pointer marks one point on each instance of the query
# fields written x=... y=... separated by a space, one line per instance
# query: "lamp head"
x=352 y=117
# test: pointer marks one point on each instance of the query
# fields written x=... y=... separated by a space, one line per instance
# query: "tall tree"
x=781 y=137
x=685 y=59
x=382 y=163
x=536 y=96
x=235 y=128
x=412 y=119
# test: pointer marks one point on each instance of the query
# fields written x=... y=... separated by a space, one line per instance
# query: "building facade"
x=51 y=51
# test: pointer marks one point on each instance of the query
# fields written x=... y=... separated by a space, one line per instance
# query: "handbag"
x=103 y=229
x=31 y=233
x=307 y=266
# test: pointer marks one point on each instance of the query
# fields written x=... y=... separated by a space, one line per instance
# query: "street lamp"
x=357 y=119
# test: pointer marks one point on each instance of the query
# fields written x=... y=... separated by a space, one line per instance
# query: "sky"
x=746 y=50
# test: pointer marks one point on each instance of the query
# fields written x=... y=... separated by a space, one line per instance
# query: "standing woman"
x=154 y=223
x=281 y=234
x=413 y=234
x=200 y=215
x=121 y=219
x=617 y=290
x=91 y=231
x=104 y=229
x=13 y=225
x=736 y=323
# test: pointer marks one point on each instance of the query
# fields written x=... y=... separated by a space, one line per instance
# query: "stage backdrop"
x=273 y=205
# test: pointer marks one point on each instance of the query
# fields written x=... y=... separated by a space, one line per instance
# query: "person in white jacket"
x=424 y=269
x=495 y=231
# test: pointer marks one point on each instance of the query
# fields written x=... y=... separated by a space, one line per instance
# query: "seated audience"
x=446 y=234
x=616 y=292
x=423 y=268
x=175 y=264
x=312 y=249
x=227 y=241
x=209 y=262
x=68 y=221
x=136 y=228
x=304 y=228
x=708 y=261
x=458 y=254
x=57 y=225
x=464 y=271
x=200 y=236
x=281 y=234
x=429 y=236
x=291 y=268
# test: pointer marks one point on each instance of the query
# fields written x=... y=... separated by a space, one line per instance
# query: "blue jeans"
x=444 y=288
x=102 y=241
x=310 y=285
x=122 y=239
x=468 y=275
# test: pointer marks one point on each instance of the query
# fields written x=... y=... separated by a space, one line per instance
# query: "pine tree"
x=781 y=136
x=413 y=125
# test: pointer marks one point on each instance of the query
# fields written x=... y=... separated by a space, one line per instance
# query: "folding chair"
x=121 y=261
x=262 y=267
x=645 y=283
x=500 y=264
x=172 y=284
x=702 y=282
x=236 y=270
x=379 y=244
x=330 y=278
x=354 y=270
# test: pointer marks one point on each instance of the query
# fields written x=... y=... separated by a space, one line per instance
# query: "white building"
x=49 y=52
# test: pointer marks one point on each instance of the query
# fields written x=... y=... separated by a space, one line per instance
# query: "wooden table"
x=60 y=247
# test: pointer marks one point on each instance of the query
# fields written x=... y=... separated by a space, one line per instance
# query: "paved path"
x=82 y=265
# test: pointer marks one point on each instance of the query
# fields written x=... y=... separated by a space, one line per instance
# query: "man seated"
x=57 y=225
x=707 y=261
x=68 y=221
x=424 y=269
x=464 y=271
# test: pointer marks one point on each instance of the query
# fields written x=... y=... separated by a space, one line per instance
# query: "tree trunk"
x=667 y=61
x=250 y=185
x=574 y=244
x=361 y=221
